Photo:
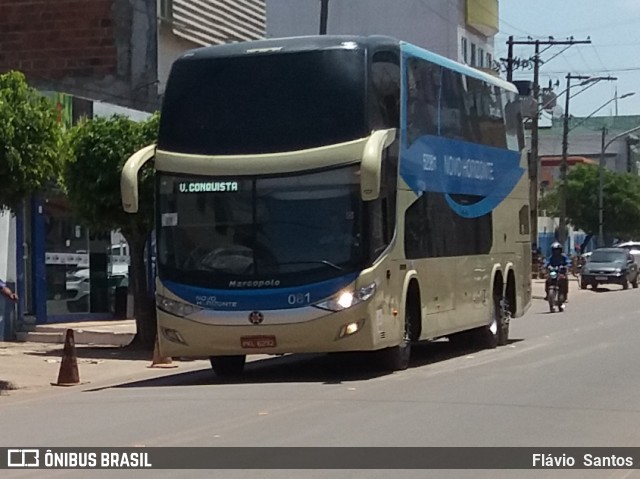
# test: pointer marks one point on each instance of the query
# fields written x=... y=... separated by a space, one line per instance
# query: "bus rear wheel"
x=228 y=366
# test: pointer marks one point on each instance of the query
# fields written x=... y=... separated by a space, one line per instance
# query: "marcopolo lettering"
x=208 y=186
x=262 y=283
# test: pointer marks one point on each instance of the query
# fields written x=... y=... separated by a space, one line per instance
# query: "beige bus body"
x=455 y=294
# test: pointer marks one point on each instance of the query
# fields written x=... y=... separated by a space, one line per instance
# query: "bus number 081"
x=299 y=298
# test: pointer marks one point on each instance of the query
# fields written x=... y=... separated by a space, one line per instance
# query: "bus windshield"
x=242 y=232
x=256 y=104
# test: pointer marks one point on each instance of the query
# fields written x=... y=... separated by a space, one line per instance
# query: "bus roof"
x=330 y=42
x=290 y=44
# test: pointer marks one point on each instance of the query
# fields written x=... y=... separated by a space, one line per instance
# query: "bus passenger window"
x=384 y=96
x=423 y=96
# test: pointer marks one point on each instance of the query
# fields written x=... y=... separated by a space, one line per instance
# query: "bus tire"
x=228 y=366
x=505 y=321
x=397 y=357
x=495 y=333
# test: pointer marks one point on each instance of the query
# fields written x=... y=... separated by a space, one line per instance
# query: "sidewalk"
x=105 y=333
x=537 y=288
x=32 y=363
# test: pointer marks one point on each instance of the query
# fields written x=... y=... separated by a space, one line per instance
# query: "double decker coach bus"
x=335 y=193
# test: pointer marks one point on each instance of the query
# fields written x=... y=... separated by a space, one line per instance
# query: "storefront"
x=64 y=271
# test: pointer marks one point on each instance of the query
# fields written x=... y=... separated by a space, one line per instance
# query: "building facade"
x=187 y=24
x=93 y=58
x=585 y=141
x=462 y=30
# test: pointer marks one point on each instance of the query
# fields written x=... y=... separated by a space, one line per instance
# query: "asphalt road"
x=567 y=379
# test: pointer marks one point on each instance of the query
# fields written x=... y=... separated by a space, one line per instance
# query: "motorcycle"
x=556 y=298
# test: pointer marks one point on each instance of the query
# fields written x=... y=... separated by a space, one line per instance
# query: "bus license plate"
x=258 y=342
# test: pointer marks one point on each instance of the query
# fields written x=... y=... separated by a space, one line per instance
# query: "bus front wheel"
x=397 y=357
x=228 y=366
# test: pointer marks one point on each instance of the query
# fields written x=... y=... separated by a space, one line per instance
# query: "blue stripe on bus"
x=447 y=166
x=260 y=299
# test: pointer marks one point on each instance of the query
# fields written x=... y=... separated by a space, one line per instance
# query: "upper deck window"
x=264 y=103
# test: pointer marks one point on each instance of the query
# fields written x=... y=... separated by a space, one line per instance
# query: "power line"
x=607 y=70
x=586 y=63
x=616 y=45
x=559 y=53
x=598 y=56
x=566 y=59
x=607 y=26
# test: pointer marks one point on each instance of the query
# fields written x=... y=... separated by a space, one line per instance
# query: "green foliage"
x=100 y=149
x=621 y=201
x=550 y=203
x=32 y=149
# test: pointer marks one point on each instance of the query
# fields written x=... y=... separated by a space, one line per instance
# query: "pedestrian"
x=7 y=293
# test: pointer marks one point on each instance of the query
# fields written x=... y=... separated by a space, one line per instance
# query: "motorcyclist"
x=557 y=258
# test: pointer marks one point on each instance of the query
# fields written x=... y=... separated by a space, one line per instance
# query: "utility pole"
x=601 y=188
x=564 y=163
x=510 y=59
x=534 y=163
x=533 y=159
x=324 y=14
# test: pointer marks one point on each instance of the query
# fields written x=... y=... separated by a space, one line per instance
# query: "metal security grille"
x=214 y=22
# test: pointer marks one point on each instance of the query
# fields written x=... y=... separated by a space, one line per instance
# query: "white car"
x=78 y=288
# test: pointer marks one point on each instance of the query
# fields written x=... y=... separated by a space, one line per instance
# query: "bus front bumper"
x=349 y=330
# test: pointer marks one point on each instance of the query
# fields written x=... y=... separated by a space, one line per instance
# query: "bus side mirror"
x=371 y=166
x=129 y=177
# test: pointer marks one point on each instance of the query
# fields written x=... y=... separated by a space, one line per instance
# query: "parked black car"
x=610 y=266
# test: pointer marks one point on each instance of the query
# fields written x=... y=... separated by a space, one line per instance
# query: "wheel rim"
x=493 y=327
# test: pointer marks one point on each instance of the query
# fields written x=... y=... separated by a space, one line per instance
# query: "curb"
x=102 y=338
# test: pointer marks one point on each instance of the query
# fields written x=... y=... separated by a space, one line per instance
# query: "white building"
x=462 y=30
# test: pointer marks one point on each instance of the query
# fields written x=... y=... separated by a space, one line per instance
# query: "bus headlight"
x=177 y=308
x=347 y=298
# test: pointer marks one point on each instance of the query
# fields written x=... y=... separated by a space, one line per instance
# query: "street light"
x=601 y=175
x=626 y=95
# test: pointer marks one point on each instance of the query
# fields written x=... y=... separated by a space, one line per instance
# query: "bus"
x=335 y=193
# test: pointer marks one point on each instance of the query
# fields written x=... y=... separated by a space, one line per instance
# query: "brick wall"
x=55 y=39
x=99 y=49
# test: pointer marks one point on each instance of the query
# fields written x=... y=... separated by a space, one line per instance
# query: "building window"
x=489 y=61
x=463 y=48
x=473 y=55
x=481 y=57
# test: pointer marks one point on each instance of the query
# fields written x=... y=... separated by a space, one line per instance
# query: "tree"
x=621 y=201
x=32 y=150
x=100 y=148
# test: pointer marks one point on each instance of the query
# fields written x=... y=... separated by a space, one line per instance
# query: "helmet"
x=556 y=246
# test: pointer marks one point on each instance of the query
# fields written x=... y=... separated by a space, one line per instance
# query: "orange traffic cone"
x=159 y=361
x=68 y=375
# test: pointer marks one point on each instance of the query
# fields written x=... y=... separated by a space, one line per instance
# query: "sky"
x=614 y=29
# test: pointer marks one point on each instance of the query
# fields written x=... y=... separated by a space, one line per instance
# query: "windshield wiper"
x=320 y=261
